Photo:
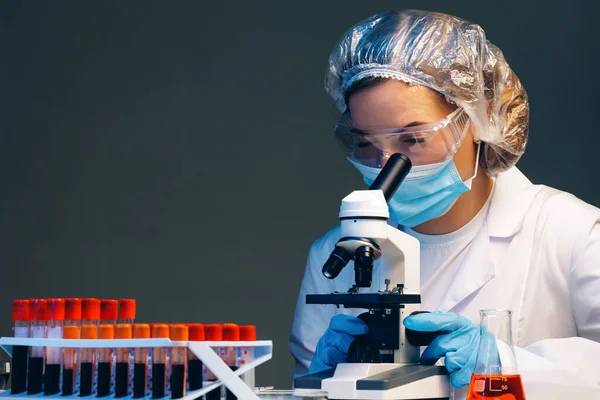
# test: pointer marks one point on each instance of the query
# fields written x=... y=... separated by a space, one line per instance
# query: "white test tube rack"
x=263 y=350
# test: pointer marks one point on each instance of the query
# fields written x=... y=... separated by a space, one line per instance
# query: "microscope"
x=384 y=364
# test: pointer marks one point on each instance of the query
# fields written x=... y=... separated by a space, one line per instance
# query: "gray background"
x=181 y=152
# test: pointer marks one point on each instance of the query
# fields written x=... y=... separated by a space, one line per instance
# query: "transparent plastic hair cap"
x=449 y=55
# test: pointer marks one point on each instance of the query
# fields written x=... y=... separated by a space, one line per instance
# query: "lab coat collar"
x=512 y=197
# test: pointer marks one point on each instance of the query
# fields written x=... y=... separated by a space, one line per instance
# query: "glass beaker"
x=496 y=376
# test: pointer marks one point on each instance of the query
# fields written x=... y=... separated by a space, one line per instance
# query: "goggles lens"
x=423 y=144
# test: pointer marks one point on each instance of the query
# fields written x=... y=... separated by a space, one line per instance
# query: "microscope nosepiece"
x=363 y=266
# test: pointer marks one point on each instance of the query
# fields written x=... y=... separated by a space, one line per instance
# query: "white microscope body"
x=388 y=288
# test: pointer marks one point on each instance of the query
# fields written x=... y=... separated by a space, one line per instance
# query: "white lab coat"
x=538 y=254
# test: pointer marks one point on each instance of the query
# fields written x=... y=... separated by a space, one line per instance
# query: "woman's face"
x=393 y=104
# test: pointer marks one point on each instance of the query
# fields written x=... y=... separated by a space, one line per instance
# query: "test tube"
x=20 y=316
x=159 y=362
x=127 y=308
x=88 y=357
x=194 y=370
x=90 y=312
x=73 y=307
x=105 y=354
x=69 y=361
x=140 y=362
x=231 y=333
x=109 y=311
x=248 y=334
x=54 y=330
x=213 y=333
x=127 y=316
x=35 y=370
x=178 y=333
x=122 y=331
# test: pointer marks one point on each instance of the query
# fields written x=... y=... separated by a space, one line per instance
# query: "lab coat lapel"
x=511 y=199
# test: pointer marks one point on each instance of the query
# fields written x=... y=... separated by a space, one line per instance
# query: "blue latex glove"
x=333 y=346
x=460 y=344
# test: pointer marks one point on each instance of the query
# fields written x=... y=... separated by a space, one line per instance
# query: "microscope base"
x=381 y=381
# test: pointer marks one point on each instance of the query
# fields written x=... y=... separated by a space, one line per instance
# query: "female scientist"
x=431 y=86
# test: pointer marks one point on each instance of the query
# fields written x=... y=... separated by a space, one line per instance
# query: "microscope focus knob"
x=418 y=338
x=364 y=350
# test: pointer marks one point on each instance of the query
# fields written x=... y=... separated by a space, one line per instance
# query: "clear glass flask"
x=496 y=376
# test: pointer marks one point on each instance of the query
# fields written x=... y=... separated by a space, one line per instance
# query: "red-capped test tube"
x=73 y=312
x=90 y=312
x=140 y=362
x=248 y=334
x=56 y=317
x=122 y=331
x=127 y=309
x=20 y=316
x=105 y=355
x=88 y=357
x=35 y=370
x=109 y=311
x=213 y=333
x=194 y=370
x=159 y=362
x=231 y=333
x=69 y=361
x=73 y=307
x=178 y=333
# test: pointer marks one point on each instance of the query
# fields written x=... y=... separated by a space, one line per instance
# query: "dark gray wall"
x=181 y=152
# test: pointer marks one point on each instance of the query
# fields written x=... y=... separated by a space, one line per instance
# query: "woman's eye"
x=414 y=140
x=363 y=144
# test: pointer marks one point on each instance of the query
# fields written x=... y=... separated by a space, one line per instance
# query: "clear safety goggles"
x=423 y=144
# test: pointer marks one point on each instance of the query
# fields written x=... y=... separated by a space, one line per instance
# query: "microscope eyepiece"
x=336 y=262
x=392 y=175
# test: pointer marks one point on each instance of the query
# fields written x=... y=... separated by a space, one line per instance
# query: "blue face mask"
x=428 y=191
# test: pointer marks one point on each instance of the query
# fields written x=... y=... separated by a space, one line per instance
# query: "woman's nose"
x=382 y=159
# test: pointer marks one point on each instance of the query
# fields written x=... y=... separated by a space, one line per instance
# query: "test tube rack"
x=263 y=350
